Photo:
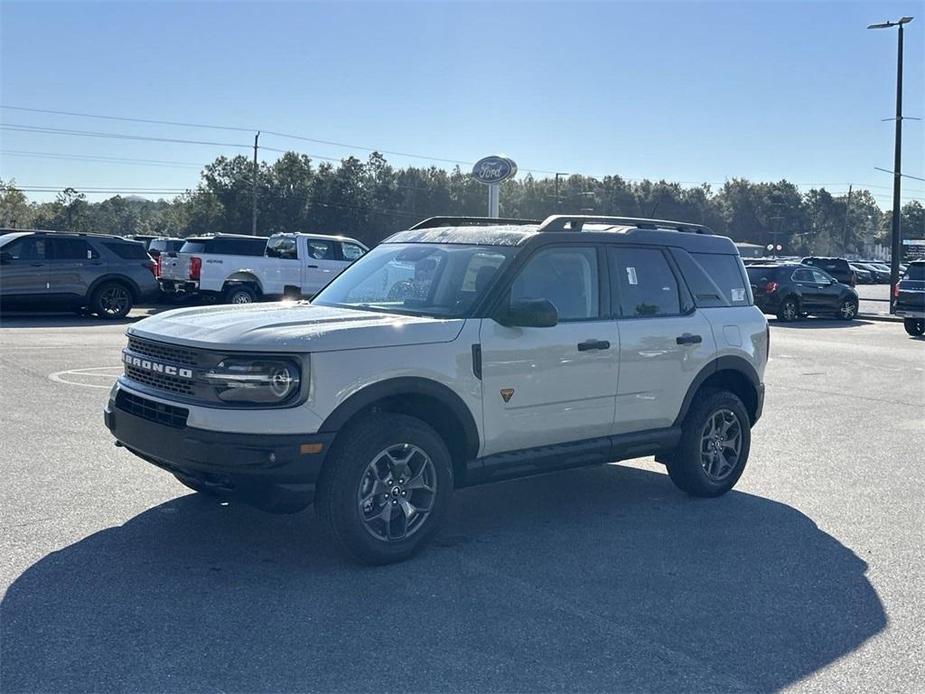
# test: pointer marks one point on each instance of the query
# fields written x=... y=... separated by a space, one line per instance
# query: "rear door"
x=72 y=266
x=664 y=340
x=812 y=295
x=543 y=386
x=24 y=275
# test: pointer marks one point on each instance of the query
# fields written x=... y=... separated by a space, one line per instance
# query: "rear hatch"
x=910 y=292
x=175 y=265
x=763 y=279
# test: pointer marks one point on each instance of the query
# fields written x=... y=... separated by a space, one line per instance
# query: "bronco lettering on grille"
x=157 y=367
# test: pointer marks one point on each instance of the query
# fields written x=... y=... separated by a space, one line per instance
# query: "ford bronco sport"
x=458 y=352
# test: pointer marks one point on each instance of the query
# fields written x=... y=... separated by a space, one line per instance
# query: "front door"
x=664 y=341
x=24 y=273
x=543 y=386
x=322 y=264
x=72 y=266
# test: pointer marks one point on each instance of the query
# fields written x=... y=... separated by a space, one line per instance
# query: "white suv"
x=458 y=352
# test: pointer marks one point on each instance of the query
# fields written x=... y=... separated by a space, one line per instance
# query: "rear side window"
x=72 y=249
x=283 y=247
x=803 y=275
x=27 y=248
x=128 y=251
x=714 y=279
x=643 y=282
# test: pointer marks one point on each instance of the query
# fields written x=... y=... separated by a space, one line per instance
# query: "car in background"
x=106 y=275
x=864 y=276
x=145 y=239
x=792 y=290
x=836 y=267
x=880 y=274
x=910 y=298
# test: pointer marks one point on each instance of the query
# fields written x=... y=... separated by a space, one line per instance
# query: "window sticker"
x=631 y=275
x=738 y=294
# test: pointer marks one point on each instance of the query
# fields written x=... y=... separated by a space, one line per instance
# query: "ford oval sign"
x=491 y=170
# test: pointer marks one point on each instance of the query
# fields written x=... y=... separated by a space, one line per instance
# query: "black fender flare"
x=724 y=363
x=406 y=385
x=112 y=277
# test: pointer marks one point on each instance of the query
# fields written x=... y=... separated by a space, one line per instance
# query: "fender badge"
x=507 y=394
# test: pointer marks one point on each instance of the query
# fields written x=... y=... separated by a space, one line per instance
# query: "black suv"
x=839 y=268
x=910 y=298
x=790 y=290
x=50 y=269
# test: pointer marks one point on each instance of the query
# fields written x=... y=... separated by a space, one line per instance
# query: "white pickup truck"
x=241 y=269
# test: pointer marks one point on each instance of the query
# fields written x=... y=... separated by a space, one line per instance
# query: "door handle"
x=588 y=345
x=688 y=339
x=312 y=267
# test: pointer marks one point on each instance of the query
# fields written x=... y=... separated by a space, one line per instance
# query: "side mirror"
x=5 y=257
x=532 y=313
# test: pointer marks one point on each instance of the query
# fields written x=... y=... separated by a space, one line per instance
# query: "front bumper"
x=273 y=471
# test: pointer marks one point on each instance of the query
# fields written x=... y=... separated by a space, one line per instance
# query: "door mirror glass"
x=530 y=313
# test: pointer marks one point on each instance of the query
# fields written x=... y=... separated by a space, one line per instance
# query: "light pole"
x=558 y=201
x=896 y=241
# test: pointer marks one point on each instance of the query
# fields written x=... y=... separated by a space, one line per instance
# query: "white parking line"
x=71 y=376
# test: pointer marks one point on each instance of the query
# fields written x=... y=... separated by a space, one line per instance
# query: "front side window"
x=643 y=283
x=443 y=281
x=567 y=277
x=351 y=251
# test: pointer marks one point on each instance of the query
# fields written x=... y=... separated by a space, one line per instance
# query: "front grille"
x=160 y=351
x=160 y=413
x=161 y=381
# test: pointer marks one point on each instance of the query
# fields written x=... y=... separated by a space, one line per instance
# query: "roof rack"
x=557 y=222
x=432 y=222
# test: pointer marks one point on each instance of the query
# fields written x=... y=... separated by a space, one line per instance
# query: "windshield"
x=443 y=281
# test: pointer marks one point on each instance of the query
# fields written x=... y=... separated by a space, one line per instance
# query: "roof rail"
x=557 y=222
x=432 y=222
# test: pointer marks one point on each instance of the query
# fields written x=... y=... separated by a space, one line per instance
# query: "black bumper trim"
x=250 y=464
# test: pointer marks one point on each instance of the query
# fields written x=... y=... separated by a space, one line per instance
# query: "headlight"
x=270 y=380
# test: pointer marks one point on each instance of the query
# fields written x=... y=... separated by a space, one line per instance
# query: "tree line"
x=372 y=199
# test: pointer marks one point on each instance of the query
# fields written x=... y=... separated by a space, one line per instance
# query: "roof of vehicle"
x=210 y=237
x=308 y=235
x=565 y=228
x=51 y=232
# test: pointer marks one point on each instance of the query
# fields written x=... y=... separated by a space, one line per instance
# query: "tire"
x=360 y=502
x=848 y=310
x=789 y=310
x=696 y=467
x=914 y=326
x=111 y=300
x=239 y=294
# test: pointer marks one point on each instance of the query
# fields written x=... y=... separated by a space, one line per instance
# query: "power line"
x=116 y=136
x=82 y=157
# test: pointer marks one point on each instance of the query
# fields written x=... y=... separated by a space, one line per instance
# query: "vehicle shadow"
x=54 y=319
x=601 y=579
x=819 y=323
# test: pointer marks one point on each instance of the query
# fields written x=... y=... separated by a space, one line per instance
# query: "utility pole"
x=254 y=207
x=896 y=241
x=558 y=201
x=845 y=227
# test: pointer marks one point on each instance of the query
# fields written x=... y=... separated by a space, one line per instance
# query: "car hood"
x=292 y=327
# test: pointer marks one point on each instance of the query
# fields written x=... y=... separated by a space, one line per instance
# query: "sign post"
x=492 y=171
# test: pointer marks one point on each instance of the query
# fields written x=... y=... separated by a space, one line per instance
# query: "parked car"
x=792 y=290
x=880 y=272
x=106 y=275
x=178 y=271
x=296 y=265
x=863 y=275
x=910 y=298
x=512 y=349
x=836 y=267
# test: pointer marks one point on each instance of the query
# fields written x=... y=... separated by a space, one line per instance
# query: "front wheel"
x=914 y=326
x=385 y=488
x=848 y=310
x=714 y=446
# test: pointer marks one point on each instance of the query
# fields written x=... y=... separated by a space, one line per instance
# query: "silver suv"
x=458 y=352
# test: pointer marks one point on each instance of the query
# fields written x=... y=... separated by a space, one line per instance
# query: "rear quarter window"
x=714 y=279
x=128 y=251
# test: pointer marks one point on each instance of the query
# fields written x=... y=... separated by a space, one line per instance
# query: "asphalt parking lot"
x=808 y=575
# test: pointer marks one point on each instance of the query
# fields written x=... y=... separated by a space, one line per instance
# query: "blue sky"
x=687 y=91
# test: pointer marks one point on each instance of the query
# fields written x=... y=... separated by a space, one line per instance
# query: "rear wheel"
x=848 y=310
x=789 y=310
x=386 y=488
x=714 y=446
x=111 y=300
x=240 y=294
x=914 y=326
